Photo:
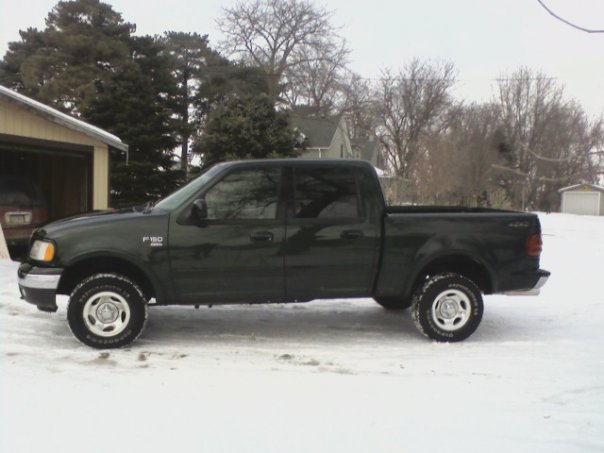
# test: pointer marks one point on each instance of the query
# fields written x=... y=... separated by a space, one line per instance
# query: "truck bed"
x=424 y=209
x=494 y=239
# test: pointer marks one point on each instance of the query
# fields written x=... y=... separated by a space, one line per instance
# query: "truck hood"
x=95 y=220
x=124 y=233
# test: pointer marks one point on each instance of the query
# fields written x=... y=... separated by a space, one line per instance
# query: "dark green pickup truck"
x=280 y=231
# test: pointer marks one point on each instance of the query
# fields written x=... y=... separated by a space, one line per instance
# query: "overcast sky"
x=482 y=38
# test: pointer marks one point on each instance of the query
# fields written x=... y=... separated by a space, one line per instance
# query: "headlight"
x=42 y=251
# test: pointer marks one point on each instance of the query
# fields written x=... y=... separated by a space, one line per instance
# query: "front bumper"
x=38 y=285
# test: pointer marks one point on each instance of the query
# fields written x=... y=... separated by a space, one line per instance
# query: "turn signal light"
x=534 y=245
x=42 y=251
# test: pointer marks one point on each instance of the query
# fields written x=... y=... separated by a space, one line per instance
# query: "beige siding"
x=16 y=120
x=313 y=153
x=340 y=144
x=101 y=178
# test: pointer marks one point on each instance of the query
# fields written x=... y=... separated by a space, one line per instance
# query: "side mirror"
x=199 y=211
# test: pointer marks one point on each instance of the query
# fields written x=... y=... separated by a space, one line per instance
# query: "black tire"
x=107 y=311
x=448 y=307
x=394 y=303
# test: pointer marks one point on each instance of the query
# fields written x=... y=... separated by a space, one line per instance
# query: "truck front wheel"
x=107 y=311
x=448 y=307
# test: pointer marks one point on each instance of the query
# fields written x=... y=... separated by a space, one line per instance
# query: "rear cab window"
x=325 y=193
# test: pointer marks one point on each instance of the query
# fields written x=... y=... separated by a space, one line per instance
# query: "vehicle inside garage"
x=62 y=176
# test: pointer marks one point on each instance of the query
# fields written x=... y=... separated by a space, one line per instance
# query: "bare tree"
x=457 y=168
x=277 y=35
x=359 y=107
x=410 y=106
x=547 y=139
x=318 y=82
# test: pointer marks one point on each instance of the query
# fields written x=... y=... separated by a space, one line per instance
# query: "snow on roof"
x=576 y=186
x=64 y=120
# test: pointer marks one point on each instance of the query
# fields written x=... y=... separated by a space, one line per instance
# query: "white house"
x=586 y=199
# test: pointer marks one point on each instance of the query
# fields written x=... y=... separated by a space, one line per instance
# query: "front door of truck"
x=332 y=235
x=236 y=254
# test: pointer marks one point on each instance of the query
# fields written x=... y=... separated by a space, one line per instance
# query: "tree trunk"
x=184 y=151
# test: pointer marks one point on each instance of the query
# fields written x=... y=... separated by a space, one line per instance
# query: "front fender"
x=105 y=258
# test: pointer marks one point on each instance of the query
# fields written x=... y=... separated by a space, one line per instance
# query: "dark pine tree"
x=83 y=44
x=191 y=57
x=135 y=106
x=246 y=127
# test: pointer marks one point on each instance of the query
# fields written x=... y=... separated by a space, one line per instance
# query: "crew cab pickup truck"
x=280 y=231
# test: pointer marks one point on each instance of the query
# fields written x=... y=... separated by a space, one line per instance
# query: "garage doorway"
x=62 y=173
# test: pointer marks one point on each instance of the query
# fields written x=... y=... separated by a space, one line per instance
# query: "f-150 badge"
x=154 y=241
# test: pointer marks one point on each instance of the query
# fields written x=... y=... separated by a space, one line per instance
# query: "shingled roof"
x=318 y=131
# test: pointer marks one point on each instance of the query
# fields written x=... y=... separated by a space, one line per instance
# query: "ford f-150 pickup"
x=280 y=231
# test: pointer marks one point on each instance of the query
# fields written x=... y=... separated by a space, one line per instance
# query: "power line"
x=578 y=27
x=463 y=79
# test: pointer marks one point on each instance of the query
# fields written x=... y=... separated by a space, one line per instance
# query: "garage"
x=61 y=162
x=583 y=199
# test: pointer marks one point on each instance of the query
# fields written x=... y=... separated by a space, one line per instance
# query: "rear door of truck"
x=332 y=233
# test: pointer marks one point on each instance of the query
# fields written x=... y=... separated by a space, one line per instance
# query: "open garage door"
x=62 y=173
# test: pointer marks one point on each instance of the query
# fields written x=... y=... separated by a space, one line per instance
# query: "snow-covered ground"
x=336 y=376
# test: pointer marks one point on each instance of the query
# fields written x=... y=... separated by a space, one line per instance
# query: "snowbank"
x=325 y=376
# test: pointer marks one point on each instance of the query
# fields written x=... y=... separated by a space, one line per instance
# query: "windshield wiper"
x=144 y=208
x=148 y=207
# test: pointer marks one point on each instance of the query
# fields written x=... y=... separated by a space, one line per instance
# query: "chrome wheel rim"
x=451 y=310
x=106 y=314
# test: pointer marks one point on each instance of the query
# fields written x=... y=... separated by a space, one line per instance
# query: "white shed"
x=585 y=199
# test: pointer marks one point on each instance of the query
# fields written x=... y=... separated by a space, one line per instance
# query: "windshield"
x=185 y=192
x=20 y=193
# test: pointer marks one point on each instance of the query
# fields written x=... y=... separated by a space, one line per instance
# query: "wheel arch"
x=464 y=264
x=89 y=265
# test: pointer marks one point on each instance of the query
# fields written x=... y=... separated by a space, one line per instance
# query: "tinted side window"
x=325 y=193
x=245 y=194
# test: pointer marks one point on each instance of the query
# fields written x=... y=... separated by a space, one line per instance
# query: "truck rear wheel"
x=394 y=303
x=448 y=307
x=107 y=311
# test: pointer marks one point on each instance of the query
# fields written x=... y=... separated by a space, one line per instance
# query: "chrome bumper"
x=534 y=291
x=39 y=281
x=38 y=286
